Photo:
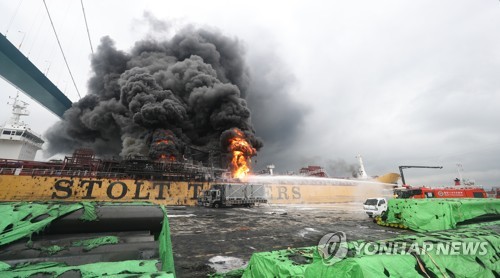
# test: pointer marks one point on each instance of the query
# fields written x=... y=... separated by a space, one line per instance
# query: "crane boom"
x=406 y=167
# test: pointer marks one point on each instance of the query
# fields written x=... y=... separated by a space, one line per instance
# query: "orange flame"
x=242 y=151
x=167 y=157
x=164 y=141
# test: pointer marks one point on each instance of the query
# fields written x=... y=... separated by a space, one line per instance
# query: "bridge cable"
x=60 y=47
x=31 y=29
x=12 y=18
x=87 y=26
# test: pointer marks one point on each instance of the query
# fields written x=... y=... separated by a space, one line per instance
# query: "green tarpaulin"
x=373 y=266
x=473 y=251
x=21 y=220
x=437 y=214
x=89 y=212
x=282 y=263
x=89 y=244
x=166 y=255
x=139 y=268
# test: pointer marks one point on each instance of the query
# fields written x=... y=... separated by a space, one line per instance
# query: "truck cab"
x=233 y=194
x=209 y=198
x=375 y=206
x=213 y=198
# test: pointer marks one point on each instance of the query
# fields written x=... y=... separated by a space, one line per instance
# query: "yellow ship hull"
x=78 y=189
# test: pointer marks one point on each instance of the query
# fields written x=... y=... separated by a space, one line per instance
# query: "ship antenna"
x=463 y=181
x=362 y=172
x=18 y=110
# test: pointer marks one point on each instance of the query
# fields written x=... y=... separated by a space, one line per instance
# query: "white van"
x=375 y=206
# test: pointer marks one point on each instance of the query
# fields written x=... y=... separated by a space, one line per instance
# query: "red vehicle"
x=494 y=193
x=409 y=192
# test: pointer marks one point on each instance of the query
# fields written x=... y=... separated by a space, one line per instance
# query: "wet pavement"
x=205 y=239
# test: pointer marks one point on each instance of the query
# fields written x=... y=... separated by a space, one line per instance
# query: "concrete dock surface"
x=206 y=240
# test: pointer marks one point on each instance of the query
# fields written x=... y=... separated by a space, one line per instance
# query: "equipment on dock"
x=236 y=194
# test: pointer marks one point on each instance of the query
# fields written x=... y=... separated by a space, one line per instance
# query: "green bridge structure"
x=26 y=77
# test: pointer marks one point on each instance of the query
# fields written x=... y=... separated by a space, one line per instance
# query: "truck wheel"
x=369 y=215
x=251 y=205
x=216 y=205
x=383 y=215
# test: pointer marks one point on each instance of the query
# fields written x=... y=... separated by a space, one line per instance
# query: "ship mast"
x=460 y=170
x=18 y=110
x=17 y=140
x=362 y=172
x=463 y=181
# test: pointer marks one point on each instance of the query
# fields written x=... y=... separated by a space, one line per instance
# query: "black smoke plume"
x=340 y=168
x=161 y=97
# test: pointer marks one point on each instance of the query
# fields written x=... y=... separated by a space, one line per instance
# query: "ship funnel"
x=362 y=172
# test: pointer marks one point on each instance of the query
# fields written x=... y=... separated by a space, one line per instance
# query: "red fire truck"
x=458 y=191
x=408 y=192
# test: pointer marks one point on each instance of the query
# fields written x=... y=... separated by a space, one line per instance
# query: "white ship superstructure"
x=17 y=140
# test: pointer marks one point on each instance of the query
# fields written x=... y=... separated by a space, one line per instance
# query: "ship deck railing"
x=100 y=175
x=61 y=173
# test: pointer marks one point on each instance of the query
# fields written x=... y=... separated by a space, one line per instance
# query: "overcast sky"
x=399 y=82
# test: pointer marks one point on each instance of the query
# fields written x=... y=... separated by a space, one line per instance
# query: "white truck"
x=233 y=194
x=375 y=206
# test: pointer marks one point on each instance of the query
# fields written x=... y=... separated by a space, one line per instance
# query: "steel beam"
x=22 y=74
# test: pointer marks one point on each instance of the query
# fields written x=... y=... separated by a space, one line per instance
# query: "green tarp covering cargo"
x=473 y=251
x=20 y=221
x=437 y=214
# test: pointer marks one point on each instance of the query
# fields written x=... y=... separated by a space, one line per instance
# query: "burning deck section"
x=163 y=146
x=241 y=151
